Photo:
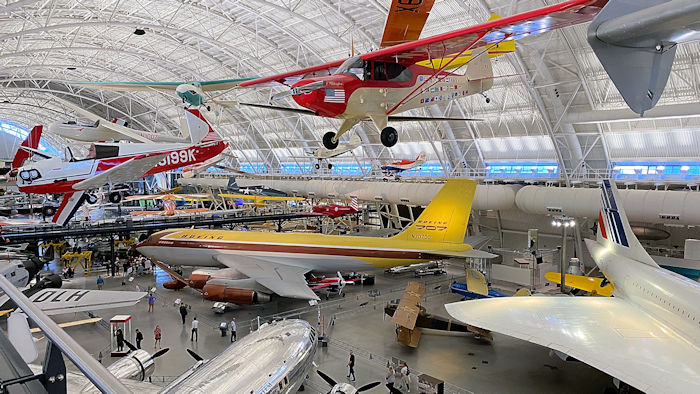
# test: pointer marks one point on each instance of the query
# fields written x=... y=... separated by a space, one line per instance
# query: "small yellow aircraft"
x=259 y=201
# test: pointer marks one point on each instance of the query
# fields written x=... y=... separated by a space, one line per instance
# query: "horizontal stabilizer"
x=57 y=301
x=470 y=254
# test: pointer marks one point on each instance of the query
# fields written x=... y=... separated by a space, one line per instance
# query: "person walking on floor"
x=183 y=312
x=405 y=379
x=233 y=329
x=151 y=302
x=195 y=324
x=120 y=340
x=100 y=282
x=157 y=333
x=390 y=380
x=351 y=366
x=139 y=338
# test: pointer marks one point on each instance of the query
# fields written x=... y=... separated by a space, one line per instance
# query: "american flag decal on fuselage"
x=335 y=96
x=609 y=220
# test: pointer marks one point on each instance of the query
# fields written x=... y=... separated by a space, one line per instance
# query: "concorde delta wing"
x=608 y=333
x=282 y=279
x=57 y=301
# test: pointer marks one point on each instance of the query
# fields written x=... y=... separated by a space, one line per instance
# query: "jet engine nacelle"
x=199 y=278
x=240 y=292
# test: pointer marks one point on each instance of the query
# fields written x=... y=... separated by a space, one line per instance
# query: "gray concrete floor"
x=507 y=365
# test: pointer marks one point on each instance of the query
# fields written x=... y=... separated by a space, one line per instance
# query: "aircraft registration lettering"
x=178 y=157
x=73 y=296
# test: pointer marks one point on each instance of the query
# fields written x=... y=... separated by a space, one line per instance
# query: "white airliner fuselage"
x=672 y=299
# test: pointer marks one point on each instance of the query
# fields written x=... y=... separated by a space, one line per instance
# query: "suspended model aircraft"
x=278 y=261
x=191 y=93
x=393 y=169
x=647 y=335
x=282 y=353
x=380 y=84
x=112 y=164
x=323 y=153
x=103 y=130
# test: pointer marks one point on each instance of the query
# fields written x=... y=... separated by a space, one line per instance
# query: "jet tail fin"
x=445 y=218
x=614 y=229
x=32 y=141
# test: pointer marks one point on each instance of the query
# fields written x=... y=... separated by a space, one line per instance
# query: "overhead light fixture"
x=139 y=32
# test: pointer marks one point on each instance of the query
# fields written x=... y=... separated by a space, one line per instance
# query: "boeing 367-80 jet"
x=647 y=335
x=265 y=262
x=112 y=164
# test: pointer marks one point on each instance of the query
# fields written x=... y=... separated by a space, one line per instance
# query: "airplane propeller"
x=327 y=378
x=333 y=383
x=368 y=386
x=153 y=356
x=194 y=355
x=308 y=88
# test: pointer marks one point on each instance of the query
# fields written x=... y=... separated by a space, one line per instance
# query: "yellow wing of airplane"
x=591 y=285
x=493 y=50
x=261 y=198
x=71 y=323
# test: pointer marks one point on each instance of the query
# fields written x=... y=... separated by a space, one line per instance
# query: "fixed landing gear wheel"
x=48 y=210
x=115 y=197
x=91 y=198
x=328 y=140
x=389 y=137
x=317 y=166
x=330 y=166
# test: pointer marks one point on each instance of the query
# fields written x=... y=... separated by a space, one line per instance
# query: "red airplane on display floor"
x=112 y=164
x=332 y=285
x=334 y=210
x=408 y=73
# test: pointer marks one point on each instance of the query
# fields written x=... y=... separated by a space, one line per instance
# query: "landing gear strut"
x=389 y=137
x=328 y=140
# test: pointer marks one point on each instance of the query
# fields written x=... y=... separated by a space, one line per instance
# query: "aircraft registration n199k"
x=112 y=164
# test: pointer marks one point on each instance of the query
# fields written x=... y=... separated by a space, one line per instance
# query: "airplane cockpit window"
x=106 y=151
x=68 y=154
x=398 y=72
x=379 y=73
x=353 y=66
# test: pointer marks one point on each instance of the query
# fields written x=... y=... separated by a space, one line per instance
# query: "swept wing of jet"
x=647 y=335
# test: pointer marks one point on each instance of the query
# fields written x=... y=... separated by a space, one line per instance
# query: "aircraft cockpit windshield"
x=353 y=66
x=96 y=152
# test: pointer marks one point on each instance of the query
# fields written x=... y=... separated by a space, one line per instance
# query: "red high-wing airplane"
x=412 y=73
x=112 y=164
